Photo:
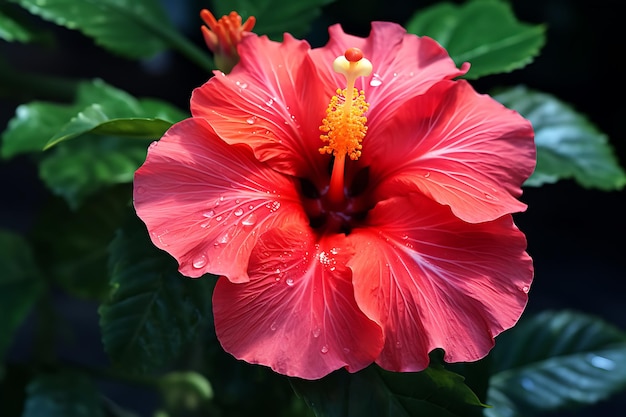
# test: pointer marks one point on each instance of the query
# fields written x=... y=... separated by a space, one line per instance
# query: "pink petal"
x=206 y=202
x=405 y=66
x=261 y=103
x=297 y=314
x=433 y=281
x=459 y=148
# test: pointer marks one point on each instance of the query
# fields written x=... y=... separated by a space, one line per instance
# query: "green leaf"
x=11 y=30
x=568 y=145
x=556 y=360
x=379 y=393
x=154 y=312
x=484 y=33
x=129 y=28
x=21 y=285
x=275 y=17
x=78 y=261
x=78 y=169
x=98 y=108
x=62 y=395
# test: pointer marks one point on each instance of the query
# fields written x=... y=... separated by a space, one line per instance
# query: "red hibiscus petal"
x=434 y=281
x=261 y=103
x=459 y=148
x=206 y=202
x=297 y=314
x=404 y=66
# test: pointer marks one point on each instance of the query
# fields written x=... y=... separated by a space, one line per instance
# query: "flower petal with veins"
x=206 y=202
x=297 y=314
x=433 y=281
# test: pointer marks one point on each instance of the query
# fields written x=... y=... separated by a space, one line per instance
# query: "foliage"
x=156 y=325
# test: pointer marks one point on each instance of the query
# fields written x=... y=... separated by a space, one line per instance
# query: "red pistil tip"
x=353 y=54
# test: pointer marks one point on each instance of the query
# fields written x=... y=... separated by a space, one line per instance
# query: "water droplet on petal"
x=526 y=288
x=376 y=81
x=224 y=238
x=324 y=349
x=250 y=220
x=140 y=190
x=270 y=102
x=316 y=332
x=209 y=214
x=398 y=344
x=199 y=262
x=238 y=212
x=426 y=175
x=161 y=237
x=250 y=120
x=273 y=206
x=290 y=282
x=273 y=326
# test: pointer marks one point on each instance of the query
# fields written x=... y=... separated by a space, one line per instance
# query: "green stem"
x=183 y=45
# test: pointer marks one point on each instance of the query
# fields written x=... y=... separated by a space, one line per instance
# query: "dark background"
x=575 y=235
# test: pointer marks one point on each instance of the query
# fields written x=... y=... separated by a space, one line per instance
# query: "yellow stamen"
x=343 y=128
x=344 y=125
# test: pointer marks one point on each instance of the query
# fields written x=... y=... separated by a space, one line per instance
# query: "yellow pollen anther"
x=344 y=132
x=344 y=128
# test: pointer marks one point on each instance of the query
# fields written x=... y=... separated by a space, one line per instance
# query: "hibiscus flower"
x=355 y=201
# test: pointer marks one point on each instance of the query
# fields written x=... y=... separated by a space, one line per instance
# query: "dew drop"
x=398 y=344
x=376 y=81
x=224 y=238
x=209 y=214
x=526 y=288
x=426 y=175
x=238 y=212
x=140 y=190
x=250 y=220
x=290 y=282
x=218 y=218
x=324 y=349
x=602 y=363
x=269 y=102
x=273 y=326
x=273 y=206
x=316 y=332
x=199 y=262
x=250 y=120
x=153 y=145
x=161 y=237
